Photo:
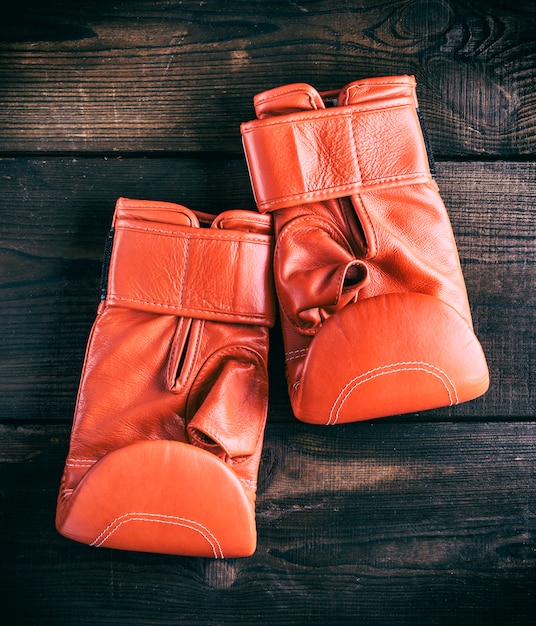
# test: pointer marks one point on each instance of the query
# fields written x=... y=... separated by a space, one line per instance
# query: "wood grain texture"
x=57 y=213
x=180 y=76
x=420 y=520
x=420 y=524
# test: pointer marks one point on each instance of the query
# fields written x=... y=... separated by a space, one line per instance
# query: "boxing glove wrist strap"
x=182 y=262
x=318 y=155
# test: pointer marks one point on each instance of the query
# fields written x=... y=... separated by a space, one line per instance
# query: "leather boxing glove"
x=170 y=415
x=374 y=309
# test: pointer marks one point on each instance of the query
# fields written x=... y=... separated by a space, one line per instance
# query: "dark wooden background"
x=417 y=520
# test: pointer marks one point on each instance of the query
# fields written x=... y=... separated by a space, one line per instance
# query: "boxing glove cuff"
x=223 y=274
x=334 y=152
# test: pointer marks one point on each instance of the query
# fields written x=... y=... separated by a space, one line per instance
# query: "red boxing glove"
x=170 y=417
x=374 y=310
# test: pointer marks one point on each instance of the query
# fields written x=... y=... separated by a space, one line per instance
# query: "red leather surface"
x=405 y=359
x=162 y=496
x=170 y=416
x=333 y=152
x=357 y=217
x=223 y=273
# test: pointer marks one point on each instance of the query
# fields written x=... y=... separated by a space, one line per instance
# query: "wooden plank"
x=375 y=524
x=56 y=213
x=492 y=212
x=169 y=75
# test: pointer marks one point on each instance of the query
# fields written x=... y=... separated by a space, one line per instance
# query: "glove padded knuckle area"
x=129 y=500
x=415 y=353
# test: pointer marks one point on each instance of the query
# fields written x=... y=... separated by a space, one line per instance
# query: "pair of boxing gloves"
x=351 y=241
